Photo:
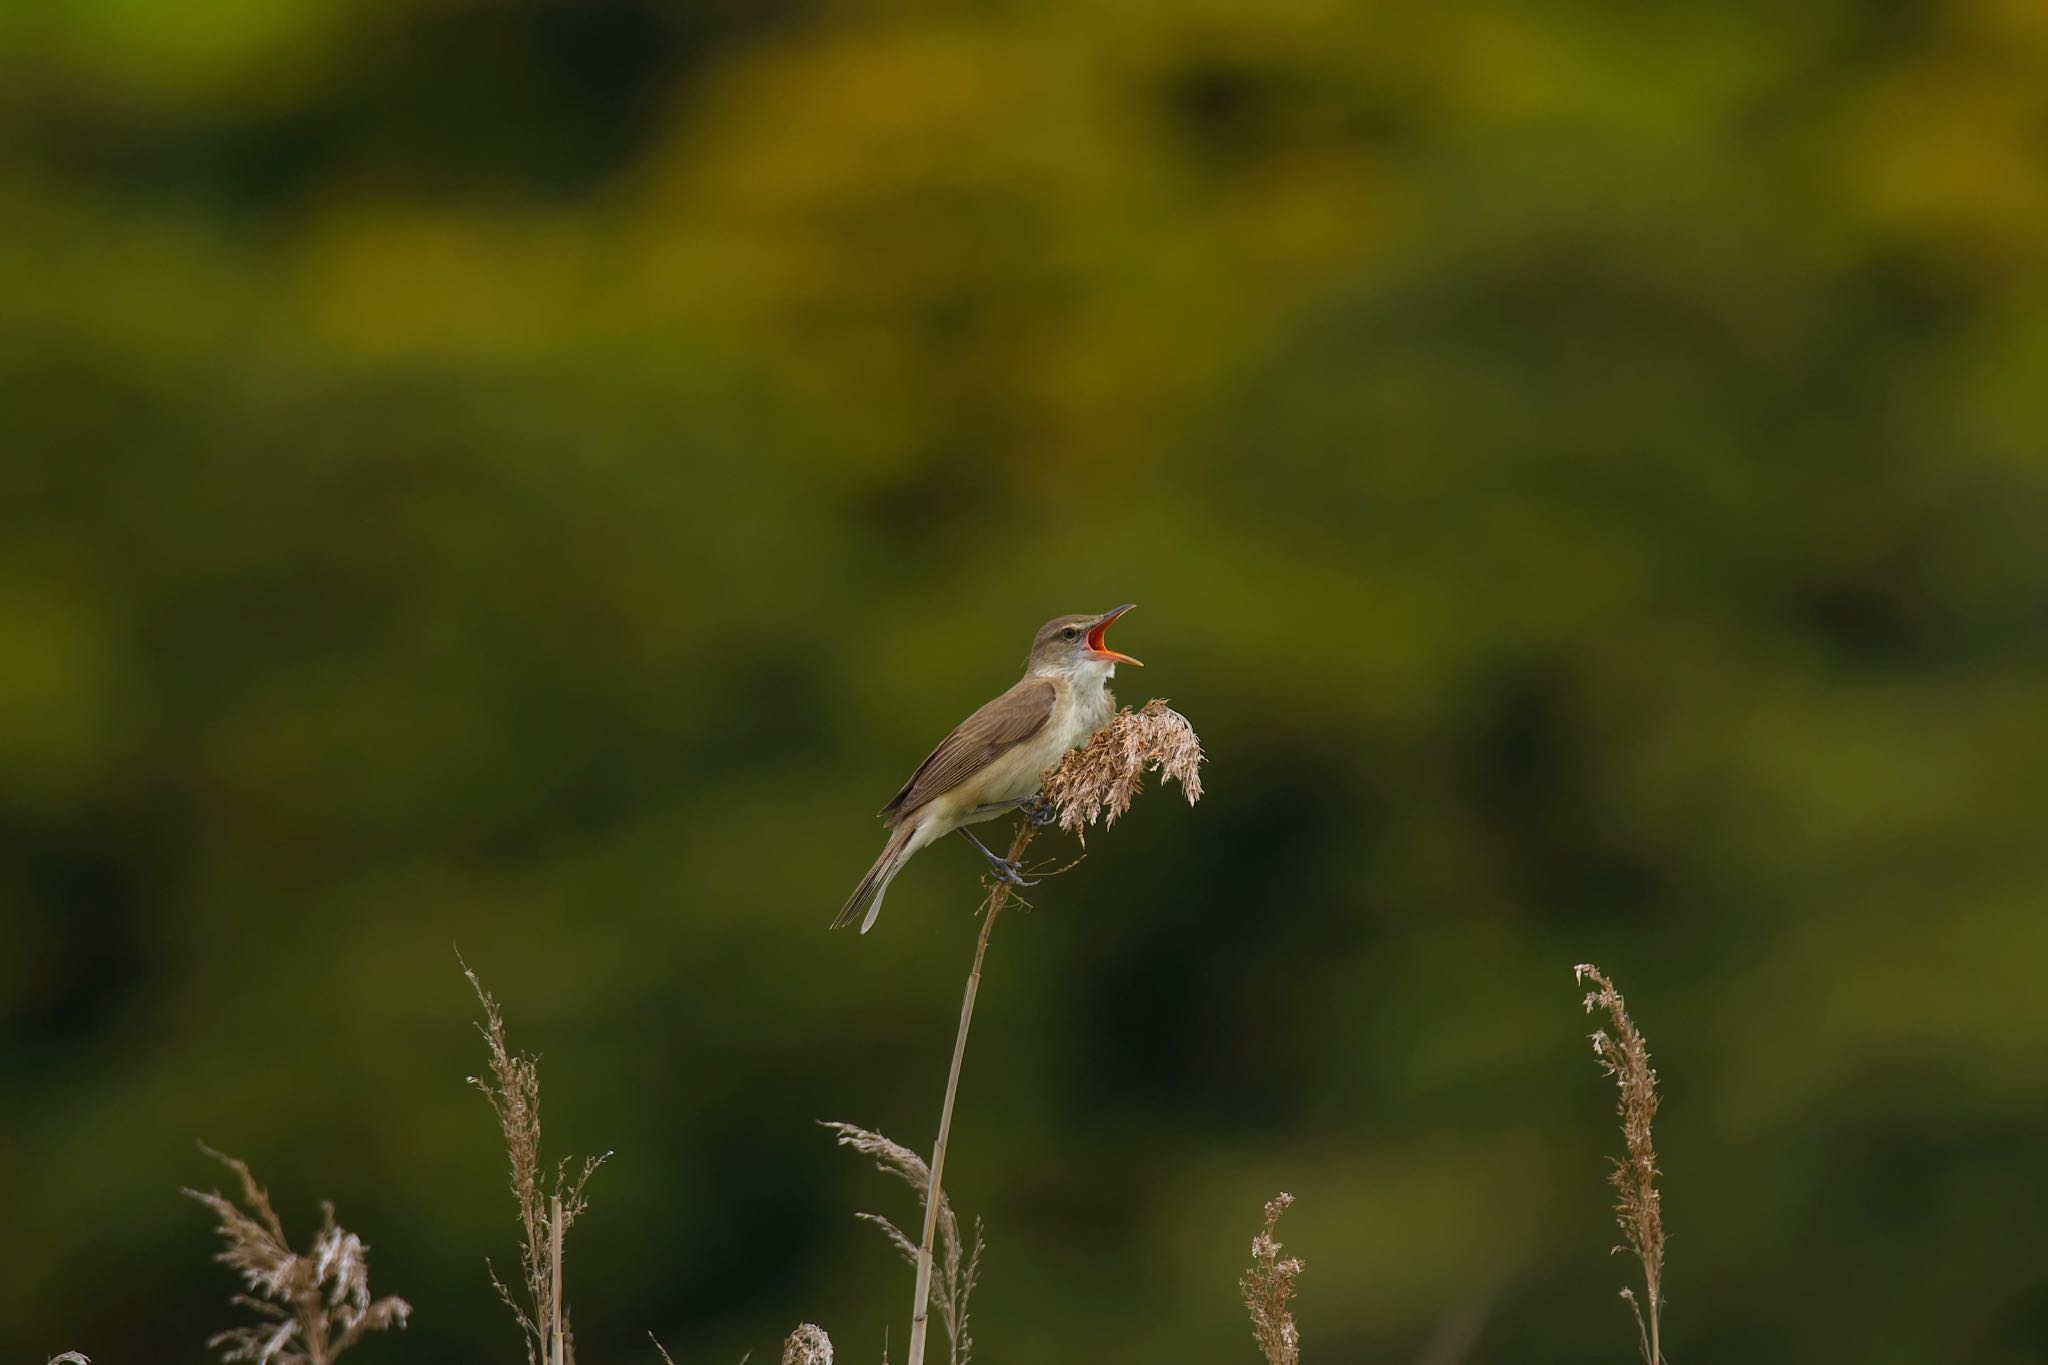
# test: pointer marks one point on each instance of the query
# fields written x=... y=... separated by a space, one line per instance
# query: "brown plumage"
x=978 y=741
x=991 y=761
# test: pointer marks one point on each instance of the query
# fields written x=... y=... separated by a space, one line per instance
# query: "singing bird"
x=992 y=762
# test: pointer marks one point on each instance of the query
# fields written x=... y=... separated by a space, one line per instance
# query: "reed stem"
x=555 y=1274
x=921 y=1302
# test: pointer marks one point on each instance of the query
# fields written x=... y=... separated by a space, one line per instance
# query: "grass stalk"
x=555 y=1272
x=920 y=1306
x=1624 y=1056
x=548 y=1203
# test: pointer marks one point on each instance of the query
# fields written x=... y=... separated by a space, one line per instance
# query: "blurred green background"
x=536 y=477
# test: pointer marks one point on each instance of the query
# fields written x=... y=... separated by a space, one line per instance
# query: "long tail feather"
x=875 y=885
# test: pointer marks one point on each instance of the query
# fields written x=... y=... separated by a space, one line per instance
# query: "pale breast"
x=1091 y=706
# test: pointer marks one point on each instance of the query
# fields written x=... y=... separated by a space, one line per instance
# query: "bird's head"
x=1074 y=644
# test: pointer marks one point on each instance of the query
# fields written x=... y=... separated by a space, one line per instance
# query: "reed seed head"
x=311 y=1306
x=1268 y=1286
x=807 y=1345
x=1097 y=781
x=1625 y=1057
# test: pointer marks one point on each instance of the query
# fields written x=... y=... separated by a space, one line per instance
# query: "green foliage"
x=536 y=477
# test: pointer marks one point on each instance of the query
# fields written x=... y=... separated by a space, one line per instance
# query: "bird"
x=991 y=762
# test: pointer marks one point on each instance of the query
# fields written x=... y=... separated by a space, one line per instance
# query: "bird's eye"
x=1069 y=632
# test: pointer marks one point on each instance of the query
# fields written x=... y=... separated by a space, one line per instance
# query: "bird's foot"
x=1000 y=867
x=1005 y=871
x=1039 y=812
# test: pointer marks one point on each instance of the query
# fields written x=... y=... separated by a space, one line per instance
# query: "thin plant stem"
x=920 y=1303
x=555 y=1272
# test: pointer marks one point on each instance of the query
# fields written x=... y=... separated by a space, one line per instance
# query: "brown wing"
x=1007 y=721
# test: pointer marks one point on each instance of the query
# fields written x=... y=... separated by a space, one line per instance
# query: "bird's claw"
x=1039 y=812
x=1006 y=872
x=999 y=867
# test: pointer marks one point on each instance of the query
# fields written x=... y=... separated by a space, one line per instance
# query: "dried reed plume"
x=1098 y=781
x=1267 y=1287
x=1103 y=776
x=547 y=1206
x=311 y=1307
x=807 y=1345
x=1639 y=1208
x=957 y=1274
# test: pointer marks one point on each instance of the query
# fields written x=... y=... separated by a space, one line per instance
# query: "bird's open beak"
x=1102 y=651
